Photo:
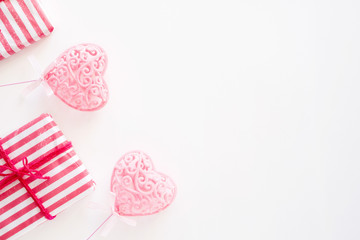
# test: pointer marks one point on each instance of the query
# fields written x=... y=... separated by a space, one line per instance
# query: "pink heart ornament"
x=139 y=189
x=77 y=77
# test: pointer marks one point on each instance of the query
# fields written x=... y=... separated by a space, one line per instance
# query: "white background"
x=251 y=106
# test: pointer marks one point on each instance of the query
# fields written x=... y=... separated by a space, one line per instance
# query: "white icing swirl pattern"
x=76 y=77
x=138 y=188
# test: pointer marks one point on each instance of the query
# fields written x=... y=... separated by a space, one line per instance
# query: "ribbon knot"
x=25 y=171
x=28 y=169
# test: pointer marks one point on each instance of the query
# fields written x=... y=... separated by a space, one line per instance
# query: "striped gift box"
x=68 y=179
x=22 y=22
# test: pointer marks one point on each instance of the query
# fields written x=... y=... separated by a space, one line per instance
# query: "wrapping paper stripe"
x=69 y=180
x=22 y=22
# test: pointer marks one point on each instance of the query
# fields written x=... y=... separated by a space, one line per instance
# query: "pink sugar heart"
x=139 y=189
x=76 y=77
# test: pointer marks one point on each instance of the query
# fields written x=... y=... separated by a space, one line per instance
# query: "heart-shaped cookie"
x=76 y=77
x=139 y=189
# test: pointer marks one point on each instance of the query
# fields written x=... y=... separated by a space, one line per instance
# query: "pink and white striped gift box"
x=22 y=22
x=68 y=180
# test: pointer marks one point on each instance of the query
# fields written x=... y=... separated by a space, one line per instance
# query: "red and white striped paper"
x=22 y=22
x=69 y=180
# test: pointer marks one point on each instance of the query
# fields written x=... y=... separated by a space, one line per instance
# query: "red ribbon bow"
x=28 y=169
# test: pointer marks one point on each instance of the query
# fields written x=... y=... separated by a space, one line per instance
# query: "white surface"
x=251 y=106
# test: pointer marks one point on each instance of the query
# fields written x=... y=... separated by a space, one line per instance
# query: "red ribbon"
x=28 y=169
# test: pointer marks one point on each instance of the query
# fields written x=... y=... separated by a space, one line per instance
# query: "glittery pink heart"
x=76 y=77
x=138 y=188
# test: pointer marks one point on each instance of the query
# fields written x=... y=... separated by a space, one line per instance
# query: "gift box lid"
x=22 y=22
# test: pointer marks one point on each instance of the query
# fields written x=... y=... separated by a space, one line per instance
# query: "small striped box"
x=22 y=22
x=68 y=180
